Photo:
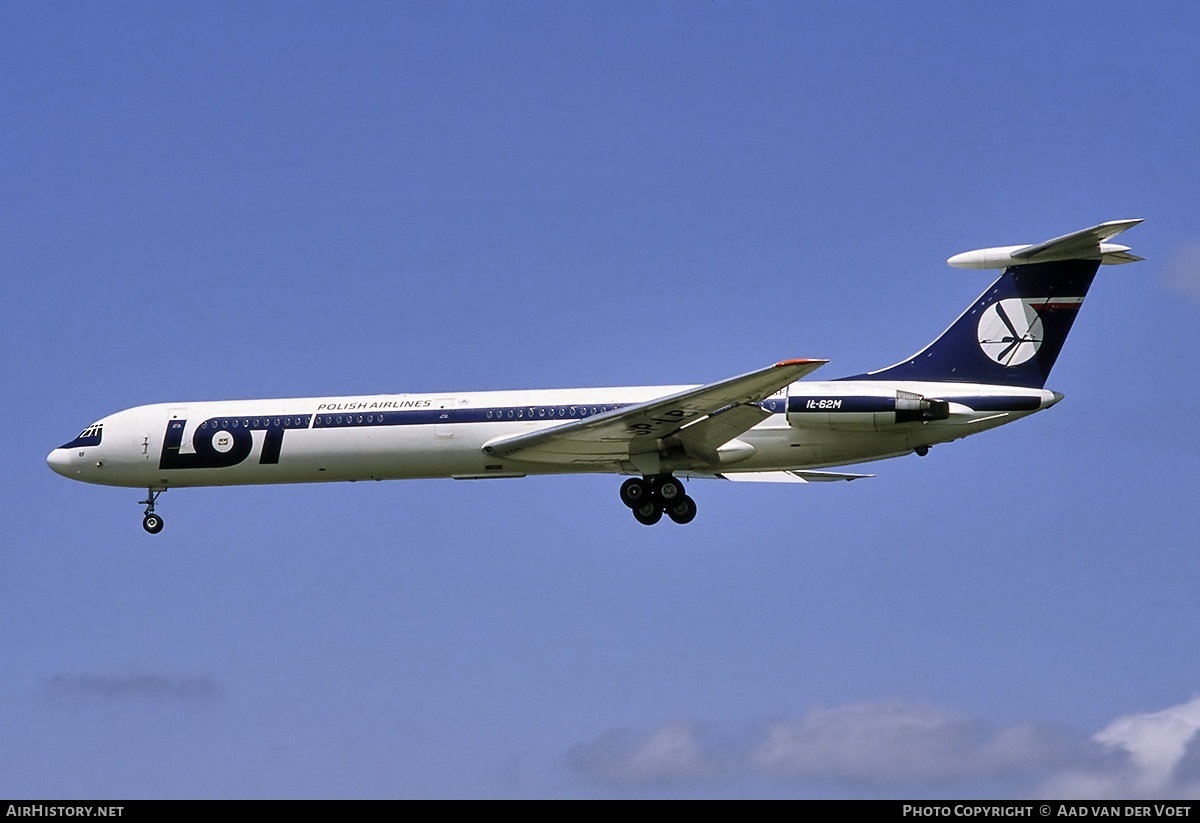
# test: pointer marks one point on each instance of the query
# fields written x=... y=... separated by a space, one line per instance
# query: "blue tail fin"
x=1013 y=333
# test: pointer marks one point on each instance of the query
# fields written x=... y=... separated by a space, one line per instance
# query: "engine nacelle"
x=863 y=412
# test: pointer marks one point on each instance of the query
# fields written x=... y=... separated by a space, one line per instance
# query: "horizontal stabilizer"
x=790 y=477
x=1116 y=258
x=1087 y=244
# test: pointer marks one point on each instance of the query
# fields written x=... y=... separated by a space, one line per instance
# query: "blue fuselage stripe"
x=834 y=404
x=565 y=413
x=494 y=414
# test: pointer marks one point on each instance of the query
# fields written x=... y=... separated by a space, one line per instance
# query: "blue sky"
x=223 y=200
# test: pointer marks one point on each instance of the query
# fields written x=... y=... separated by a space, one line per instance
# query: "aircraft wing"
x=719 y=411
x=798 y=476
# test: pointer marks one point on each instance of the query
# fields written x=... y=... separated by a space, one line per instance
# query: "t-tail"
x=1013 y=333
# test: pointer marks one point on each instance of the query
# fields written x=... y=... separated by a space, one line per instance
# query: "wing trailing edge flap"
x=702 y=438
x=704 y=418
x=790 y=476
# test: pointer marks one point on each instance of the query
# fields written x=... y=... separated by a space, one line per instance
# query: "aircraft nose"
x=60 y=461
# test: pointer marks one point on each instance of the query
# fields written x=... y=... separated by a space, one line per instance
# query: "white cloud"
x=672 y=752
x=899 y=745
x=898 y=742
x=1156 y=742
x=867 y=741
x=1157 y=753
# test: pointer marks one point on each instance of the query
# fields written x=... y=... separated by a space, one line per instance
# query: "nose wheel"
x=151 y=522
x=651 y=497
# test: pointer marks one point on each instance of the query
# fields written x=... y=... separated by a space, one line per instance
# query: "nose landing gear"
x=651 y=497
x=151 y=522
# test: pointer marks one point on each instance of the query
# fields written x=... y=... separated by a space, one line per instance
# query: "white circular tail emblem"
x=1010 y=332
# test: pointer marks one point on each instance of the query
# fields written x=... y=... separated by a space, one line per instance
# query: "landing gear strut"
x=651 y=497
x=151 y=522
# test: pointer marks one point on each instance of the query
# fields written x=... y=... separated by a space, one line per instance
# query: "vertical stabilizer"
x=1013 y=333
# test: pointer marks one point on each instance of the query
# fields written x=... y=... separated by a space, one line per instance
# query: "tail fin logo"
x=1010 y=332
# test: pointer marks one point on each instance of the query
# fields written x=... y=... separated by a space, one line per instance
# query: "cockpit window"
x=88 y=437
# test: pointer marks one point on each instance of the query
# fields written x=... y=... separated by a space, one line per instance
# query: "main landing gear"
x=651 y=497
x=152 y=522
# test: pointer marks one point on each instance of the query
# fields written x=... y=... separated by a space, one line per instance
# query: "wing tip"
x=801 y=361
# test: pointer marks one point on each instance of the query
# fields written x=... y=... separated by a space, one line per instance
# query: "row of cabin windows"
x=337 y=420
x=491 y=414
x=256 y=422
x=332 y=420
x=544 y=411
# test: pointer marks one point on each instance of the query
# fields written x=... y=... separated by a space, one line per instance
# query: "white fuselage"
x=770 y=424
x=382 y=437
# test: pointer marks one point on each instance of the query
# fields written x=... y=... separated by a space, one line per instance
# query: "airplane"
x=987 y=369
